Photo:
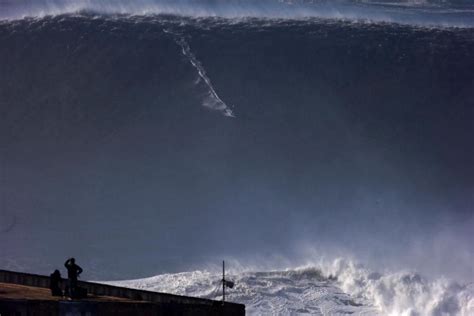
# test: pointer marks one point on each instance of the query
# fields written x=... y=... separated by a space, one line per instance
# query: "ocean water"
x=154 y=137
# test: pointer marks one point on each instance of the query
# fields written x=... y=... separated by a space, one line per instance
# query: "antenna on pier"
x=225 y=283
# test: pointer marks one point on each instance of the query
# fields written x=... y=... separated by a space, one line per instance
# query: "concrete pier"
x=24 y=294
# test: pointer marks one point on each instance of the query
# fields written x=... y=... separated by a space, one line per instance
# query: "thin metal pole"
x=223 y=281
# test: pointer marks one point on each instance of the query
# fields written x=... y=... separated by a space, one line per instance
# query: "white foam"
x=337 y=287
x=404 y=292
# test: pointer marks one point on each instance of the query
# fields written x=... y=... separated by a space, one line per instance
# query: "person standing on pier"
x=73 y=272
x=54 y=285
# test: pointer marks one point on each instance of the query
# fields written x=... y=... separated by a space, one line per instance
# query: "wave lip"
x=411 y=12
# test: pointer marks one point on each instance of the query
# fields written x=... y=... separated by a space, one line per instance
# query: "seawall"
x=28 y=294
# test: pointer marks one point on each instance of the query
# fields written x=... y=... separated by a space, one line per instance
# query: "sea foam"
x=337 y=287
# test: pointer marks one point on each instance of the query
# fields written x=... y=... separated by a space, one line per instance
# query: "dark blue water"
x=349 y=138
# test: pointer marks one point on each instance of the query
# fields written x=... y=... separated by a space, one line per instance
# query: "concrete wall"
x=164 y=304
x=88 y=308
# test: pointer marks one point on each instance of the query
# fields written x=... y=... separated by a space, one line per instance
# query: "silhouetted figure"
x=55 y=280
x=73 y=271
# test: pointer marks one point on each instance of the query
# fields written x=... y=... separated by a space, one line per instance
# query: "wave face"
x=156 y=136
x=339 y=288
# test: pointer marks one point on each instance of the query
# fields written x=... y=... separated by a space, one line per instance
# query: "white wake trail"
x=212 y=99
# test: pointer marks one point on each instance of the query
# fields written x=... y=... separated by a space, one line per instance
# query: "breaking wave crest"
x=404 y=293
x=338 y=287
x=405 y=12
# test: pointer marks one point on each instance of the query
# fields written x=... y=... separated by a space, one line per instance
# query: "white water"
x=404 y=12
x=339 y=287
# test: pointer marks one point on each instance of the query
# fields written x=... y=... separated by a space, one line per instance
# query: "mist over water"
x=349 y=139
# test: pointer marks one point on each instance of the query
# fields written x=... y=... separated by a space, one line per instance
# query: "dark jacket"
x=73 y=270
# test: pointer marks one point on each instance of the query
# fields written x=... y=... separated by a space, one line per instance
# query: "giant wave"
x=307 y=95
